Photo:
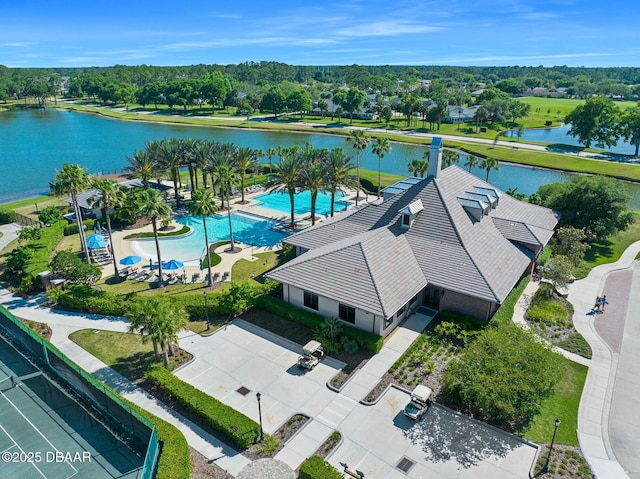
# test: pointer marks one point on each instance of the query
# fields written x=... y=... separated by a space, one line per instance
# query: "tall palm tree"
x=311 y=178
x=489 y=164
x=271 y=152
x=381 y=147
x=141 y=165
x=204 y=204
x=110 y=195
x=203 y=156
x=472 y=161
x=168 y=156
x=72 y=180
x=151 y=205
x=360 y=142
x=226 y=177
x=287 y=178
x=245 y=159
x=449 y=157
x=336 y=172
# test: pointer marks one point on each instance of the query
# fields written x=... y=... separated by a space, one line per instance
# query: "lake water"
x=34 y=144
x=560 y=135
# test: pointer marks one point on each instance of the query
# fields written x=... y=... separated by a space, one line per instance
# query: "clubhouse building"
x=449 y=242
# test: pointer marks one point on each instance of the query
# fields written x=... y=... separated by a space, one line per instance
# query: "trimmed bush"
x=370 y=342
x=43 y=247
x=89 y=300
x=235 y=426
x=72 y=228
x=317 y=468
x=7 y=217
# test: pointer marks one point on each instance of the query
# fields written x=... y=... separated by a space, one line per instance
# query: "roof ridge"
x=373 y=281
x=463 y=244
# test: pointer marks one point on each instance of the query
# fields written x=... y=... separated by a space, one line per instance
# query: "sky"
x=71 y=33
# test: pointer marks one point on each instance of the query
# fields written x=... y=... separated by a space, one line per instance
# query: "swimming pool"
x=248 y=229
x=302 y=203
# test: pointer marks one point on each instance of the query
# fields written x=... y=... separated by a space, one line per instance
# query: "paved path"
x=9 y=233
x=608 y=421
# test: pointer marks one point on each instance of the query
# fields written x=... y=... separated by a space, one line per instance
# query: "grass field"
x=562 y=405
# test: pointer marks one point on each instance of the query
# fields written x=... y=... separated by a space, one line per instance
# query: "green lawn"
x=124 y=352
x=562 y=405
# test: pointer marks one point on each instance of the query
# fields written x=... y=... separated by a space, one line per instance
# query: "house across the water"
x=449 y=241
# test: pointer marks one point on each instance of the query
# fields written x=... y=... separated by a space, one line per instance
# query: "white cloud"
x=385 y=28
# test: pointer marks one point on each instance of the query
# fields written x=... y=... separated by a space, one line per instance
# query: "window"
x=347 y=313
x=401 y=311
x=388 y=321
x=311 y=300
x=406 y=220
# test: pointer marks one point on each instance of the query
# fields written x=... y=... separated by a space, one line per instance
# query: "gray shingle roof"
x=452 y=249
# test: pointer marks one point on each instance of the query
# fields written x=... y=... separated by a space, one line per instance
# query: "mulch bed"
x=283 y=434
x=202 y=468
x=565 y=462
x=42 y=329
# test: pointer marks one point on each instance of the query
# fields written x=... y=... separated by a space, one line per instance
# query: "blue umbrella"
x=94 y=243
x=172 y=264
x=96 y=236
x=129 y=260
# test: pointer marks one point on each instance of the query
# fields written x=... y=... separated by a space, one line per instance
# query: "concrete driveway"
x=243 y=355
x=443 y=444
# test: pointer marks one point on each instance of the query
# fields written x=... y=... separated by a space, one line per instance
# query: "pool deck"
x=124 y=247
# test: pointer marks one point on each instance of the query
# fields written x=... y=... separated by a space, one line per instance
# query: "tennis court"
x=46 y=432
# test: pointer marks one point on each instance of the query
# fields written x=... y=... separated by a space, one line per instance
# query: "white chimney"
x=435 y=157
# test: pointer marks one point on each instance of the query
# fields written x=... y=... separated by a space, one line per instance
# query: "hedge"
x=175 y=457
x=89 y=300
x=72 y=228
x=370 y=342
x=235 y=426
x=317 y=468
x=505 y=313
x=7 y=217
x=43 y=247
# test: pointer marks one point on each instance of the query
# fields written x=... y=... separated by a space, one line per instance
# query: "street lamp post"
x=545 y=469
x=258 y=396
x=206 y=309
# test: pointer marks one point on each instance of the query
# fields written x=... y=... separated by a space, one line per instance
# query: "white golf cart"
x=312 y=354
x=420 y=401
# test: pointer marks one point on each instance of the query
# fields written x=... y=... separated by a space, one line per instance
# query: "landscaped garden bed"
x=565 y=462
x=426 y=359
x=551 y=317
x=272 y=444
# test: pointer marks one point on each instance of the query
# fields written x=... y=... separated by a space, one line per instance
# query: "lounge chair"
x=145 y=275
x=195 y=277
x=226 y=275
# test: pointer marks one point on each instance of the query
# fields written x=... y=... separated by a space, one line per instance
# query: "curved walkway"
x=610 y=434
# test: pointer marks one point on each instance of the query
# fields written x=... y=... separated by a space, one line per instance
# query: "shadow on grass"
x=603 y=249
x=133 y=367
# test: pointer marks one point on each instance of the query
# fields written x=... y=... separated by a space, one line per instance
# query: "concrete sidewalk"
x=595 y=404
x=9 y=233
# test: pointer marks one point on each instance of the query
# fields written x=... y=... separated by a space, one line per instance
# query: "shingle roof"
x=453 y=250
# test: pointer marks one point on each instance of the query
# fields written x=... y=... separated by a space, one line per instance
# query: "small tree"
x=49 y=215
x=558 y=271
x=570 y=243
x=237 y=299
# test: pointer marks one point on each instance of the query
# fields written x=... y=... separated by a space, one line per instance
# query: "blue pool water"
x=302 y=203
x=248 y=229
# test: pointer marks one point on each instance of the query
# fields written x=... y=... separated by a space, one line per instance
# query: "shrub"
x=317 y=468
x=235 y=426
x=72 y=228
x=370 y=342
x=66 y=264
x=7 y=217
x=84 y=298
x=39 y=262
x=50 y=215
x=576 y=343
x=505 y=313
x=268 y=445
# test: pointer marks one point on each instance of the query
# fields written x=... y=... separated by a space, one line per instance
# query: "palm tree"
x=287 y=178
x=449 y=157
x=336 y=173
x=489 y=164
x=418 y=167
x=203 y=156
x=72 y=180
x=360 y=142
x=381 y=147
x=151 y=205
x=204 y=204
x=226 y=177
x=311 y=176
x=141 y=165
x=111 y=195
x=271 y=152
x=167 y=153
x=170 y=323
x=472 y=161
x=246 y=159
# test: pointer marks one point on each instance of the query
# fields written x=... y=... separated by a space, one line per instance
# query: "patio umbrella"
x=172 y=264
x=129 y=260
x=94 y=243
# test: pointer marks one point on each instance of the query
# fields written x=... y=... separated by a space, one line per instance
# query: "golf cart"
x=312 y=354
x=420 y=401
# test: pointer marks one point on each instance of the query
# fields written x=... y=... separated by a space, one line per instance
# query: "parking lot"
x=376 y=439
